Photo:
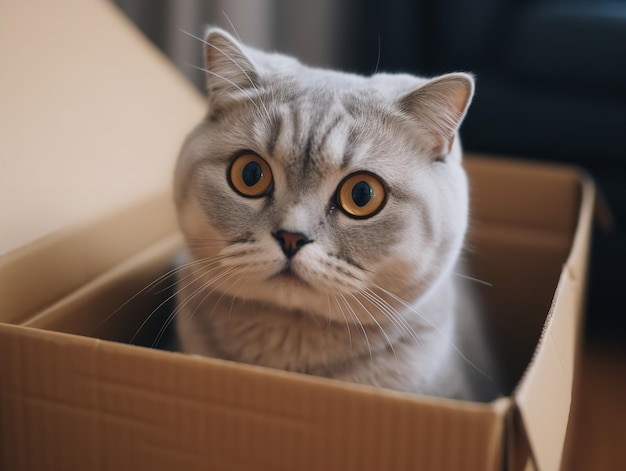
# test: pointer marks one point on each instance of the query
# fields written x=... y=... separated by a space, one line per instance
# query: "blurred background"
x=551 y=80
x=551 y=86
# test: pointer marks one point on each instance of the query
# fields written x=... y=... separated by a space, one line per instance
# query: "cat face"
x=331 y=194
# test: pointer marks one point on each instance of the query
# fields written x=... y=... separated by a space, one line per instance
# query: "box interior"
x=523 y=231
x=519 y=239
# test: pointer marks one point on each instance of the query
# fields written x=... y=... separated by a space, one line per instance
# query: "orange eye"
x=250 y=176
x=361 y=195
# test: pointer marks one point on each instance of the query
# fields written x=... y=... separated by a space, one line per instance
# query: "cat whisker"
x=204 y=243
x=391 y=313
x=244 y=92
x=197 y=265
x=386 y=275
x=358 y=322
x=225 y=275
x=225 y=54
x=149 y=286
x=379 y=54
x=232 y=26
x=234 y=297
x=344 y=318
x=439 y=332
x=197 y=292
x=195 y=246
x=238 y=65
x=202 y=263
x=382 y=330
x=471 y=278
x=172 y=296
x=233 y=274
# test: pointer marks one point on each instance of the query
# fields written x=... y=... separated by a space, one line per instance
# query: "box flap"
x=543 y=397
x=127 y=408
x=523 y=221
x=92 y=118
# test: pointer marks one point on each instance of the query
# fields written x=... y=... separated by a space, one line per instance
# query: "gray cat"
x=324 y=214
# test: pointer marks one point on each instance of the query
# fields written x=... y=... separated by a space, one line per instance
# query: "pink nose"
x=291 y=242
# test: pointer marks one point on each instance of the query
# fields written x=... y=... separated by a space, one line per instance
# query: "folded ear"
x=440 y=105
x=228 y=70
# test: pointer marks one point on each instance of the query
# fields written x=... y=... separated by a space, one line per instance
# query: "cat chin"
x=289 y=279
x=289 y=293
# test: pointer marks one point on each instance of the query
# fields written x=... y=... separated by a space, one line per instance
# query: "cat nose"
x=291 y=242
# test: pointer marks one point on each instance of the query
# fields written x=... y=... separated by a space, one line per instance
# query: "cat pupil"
x=252 y=173
x=362 y=193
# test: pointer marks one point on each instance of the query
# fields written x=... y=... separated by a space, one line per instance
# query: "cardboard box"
x=91 y=121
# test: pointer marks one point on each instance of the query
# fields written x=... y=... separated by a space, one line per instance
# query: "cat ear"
x=440 y=105
x=228 y=70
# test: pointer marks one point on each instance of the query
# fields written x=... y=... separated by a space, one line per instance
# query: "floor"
x=598 y=442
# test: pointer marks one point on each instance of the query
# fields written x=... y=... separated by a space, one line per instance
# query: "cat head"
x=322 y=191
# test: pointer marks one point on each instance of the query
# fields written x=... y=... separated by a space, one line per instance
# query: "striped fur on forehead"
x=316 y=134
x=307 y=129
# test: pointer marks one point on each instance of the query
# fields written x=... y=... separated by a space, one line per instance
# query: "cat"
x=324 y=215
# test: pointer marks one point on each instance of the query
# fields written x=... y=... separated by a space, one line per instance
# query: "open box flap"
x=89 y=107
x=543 y=397
x=92 y=117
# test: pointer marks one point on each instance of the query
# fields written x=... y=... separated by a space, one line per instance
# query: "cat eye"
x=250 y=176
x=361 y=195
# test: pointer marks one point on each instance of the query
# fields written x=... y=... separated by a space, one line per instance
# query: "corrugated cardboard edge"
x=544 y=395
x=84 y=251
x=120 y=407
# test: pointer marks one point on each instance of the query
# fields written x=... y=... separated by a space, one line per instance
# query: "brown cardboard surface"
x=121 y=407
x=137 y=408
x=74 y=395
x=544 y=396
x=69 y=258
x=85 y=100
x=518 y=242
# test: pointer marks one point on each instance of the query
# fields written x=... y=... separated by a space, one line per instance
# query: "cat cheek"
x=233 y=214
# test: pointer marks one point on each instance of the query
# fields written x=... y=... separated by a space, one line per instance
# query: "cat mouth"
x=288 y=276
